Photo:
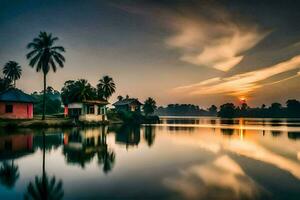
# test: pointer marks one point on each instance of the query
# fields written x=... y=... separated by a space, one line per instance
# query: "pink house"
x=15 y=104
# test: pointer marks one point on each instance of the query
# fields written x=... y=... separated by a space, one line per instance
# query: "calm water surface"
x=181 y=158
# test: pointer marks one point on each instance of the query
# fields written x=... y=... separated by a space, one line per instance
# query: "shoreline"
x=49 y=123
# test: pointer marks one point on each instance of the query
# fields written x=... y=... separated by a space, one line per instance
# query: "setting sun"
x=242 y=99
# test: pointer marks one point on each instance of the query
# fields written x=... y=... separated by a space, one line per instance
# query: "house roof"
x=103 y=102
x=127 y=101
x=16 y=95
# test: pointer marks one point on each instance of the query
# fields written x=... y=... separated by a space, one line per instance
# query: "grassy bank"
x=50 y=122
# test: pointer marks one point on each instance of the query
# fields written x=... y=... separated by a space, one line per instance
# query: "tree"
x=120 y=98
x=106 y=87
x=5 y=84
x=227 y=110
x=44 y=55
x=149 y=106
x=12 y=70
x=213 y=109
x=53 y=101
x=293 y=107
x=77 y=91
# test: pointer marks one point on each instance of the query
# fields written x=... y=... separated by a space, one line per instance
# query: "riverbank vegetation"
x=275 y=110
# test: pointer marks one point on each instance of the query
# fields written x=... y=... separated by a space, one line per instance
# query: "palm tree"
x=9 y=174
x=106 y=87
x=44 y=55
x=82 y=90
x=12 y=70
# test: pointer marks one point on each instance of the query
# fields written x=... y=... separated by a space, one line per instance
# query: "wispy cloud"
x=242 y=83
x=218 y=42
x=204 y=34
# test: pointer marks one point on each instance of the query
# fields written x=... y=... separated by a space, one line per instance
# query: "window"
x=8 y=108
x=90 y=110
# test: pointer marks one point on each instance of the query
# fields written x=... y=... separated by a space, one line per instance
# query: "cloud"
x=244 y=83
x=213 y=39
x=204 y=33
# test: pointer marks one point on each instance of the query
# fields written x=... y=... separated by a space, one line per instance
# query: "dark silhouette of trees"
x=77 y=91
x=227 y=110
x=5 y=84
x=149 y=106
x=106 y=87
x=293 y=107
x=213 y=110
x=53 y=101
x=181 y=110
x=276 y=110
x=12 y=70
x=120 y=98
x=44 y=55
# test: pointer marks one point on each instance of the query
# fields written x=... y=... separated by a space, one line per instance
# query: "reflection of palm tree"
x=105 y=156
x=43 y=187
x=9 y=174
x=107 y=159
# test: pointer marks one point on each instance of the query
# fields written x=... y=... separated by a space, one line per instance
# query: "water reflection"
x=227 y=131
x=222 y=178
x=82 y=145
x=149 y=135
x=276 y=133
x=15 y=146
x=294 y=135
x=9 y=174
x=43 y=187
x=165 y=161
x=128 y=135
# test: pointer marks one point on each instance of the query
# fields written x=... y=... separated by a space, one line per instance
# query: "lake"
x=180 y=158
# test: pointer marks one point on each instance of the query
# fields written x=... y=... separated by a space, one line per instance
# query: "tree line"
x=291 y=109
x=185 y=110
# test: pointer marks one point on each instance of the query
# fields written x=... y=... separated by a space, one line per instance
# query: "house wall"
x=75 y=105
x=92 y=118
x=20 y=111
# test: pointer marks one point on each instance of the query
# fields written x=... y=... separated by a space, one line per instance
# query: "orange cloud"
x=241 y=84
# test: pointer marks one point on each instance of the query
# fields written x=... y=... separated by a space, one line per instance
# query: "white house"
x=88 y=111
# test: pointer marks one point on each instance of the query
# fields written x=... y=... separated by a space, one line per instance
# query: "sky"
x=192 y=51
